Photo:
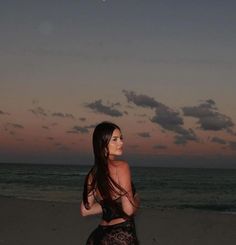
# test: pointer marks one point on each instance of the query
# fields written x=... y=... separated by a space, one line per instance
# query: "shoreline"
x=219 y=211
x=35 y=222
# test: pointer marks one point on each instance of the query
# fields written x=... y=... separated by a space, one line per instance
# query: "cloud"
x=4 y=113
x=61 y=147
x=91 y=126
x=141 y=100
x=78 y=129
x=216 y=122
x=11 y=132
x=63 y=115
x=208 y=116
x=218 y=140
x=141 y=115
x=97 y=106
x=39 y=111
x=160 y=147
x=116 y=104
x=11 y=128
x=166 y=117
x=144 y=135
x=171 y=120
x=204 y=109
x=187 y=135
x=16 y=126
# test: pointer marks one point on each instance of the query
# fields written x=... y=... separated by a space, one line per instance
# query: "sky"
x=164 y=71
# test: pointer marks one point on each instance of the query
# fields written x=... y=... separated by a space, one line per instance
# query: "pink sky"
x=164 y=72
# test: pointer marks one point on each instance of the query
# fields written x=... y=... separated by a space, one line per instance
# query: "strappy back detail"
x=110 y=212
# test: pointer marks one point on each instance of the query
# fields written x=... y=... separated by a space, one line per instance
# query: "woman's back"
x=115 y=209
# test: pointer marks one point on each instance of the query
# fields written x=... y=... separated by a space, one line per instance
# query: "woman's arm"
x=137 y=201
x=130 y=203
x=93 y=206
x=94 y=209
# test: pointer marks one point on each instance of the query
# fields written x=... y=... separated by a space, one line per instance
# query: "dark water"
x=209 y=189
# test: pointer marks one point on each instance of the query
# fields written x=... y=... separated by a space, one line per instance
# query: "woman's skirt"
x=119 y=234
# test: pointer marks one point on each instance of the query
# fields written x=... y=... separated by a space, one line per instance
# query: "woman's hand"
x=94 y=209
x=137 y=200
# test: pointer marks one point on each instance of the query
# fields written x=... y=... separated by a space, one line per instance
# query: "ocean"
x=180 y=188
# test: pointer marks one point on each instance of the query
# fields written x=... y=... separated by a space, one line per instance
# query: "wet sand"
x=27 y=222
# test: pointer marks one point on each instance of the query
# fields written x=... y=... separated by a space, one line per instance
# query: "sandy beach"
x=27 y=222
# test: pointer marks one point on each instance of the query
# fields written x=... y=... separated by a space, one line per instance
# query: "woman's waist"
x=115 y=221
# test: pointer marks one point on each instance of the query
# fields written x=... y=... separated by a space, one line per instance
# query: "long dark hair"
x=98 y=177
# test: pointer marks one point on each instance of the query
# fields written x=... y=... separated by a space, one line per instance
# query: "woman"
x=108 y=189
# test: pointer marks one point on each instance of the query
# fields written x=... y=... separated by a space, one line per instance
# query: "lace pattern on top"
x=109 y=213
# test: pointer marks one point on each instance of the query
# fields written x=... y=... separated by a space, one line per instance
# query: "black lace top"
x=110 y=212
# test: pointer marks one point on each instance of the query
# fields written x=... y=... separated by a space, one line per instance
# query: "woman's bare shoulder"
x=123 y=167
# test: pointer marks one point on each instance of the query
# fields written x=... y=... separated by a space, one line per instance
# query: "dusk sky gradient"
x=164 y=71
